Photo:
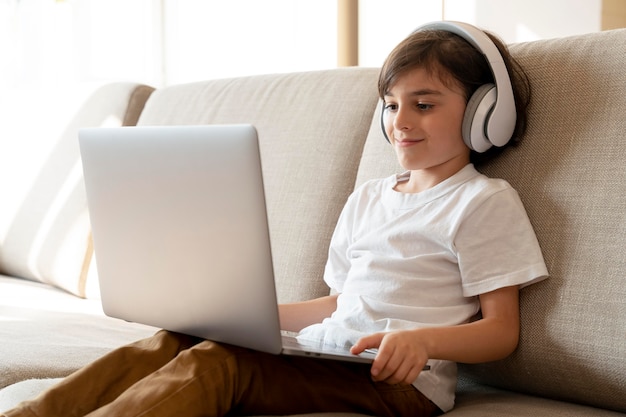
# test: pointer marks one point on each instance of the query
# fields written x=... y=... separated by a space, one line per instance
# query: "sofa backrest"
x=570 y=171
x=44 y=226
x=311 y=127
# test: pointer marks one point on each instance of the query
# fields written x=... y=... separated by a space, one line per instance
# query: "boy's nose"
x=403 y=120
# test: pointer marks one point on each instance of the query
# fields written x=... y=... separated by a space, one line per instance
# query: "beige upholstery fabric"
x=47 y=239
x=311 y=128
x=378 y=159
x=497 y=403
x=137 y=100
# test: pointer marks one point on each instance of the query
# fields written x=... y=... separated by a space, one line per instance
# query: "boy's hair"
x=456 y=62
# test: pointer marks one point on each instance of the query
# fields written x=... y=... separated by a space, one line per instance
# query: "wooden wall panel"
x=613 y=14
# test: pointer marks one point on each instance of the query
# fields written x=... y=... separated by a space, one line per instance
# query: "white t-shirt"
x=405 y=261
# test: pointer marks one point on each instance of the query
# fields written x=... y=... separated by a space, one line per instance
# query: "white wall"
x=384 y=23
x=528 y=20
x=53 y=53
x=218 y=39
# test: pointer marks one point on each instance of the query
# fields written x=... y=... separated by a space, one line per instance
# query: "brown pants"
x=171 y=374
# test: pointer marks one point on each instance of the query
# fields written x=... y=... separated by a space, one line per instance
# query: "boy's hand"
x=400 y=359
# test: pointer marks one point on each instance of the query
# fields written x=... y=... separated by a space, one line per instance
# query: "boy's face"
x=423 y=122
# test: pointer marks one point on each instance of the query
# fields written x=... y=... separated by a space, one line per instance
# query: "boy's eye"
x=419 y=106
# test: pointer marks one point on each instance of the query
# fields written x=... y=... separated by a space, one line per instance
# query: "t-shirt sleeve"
x=497 y=246
x=338 y=264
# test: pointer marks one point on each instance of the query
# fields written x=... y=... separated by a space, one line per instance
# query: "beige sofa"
x=320 y=137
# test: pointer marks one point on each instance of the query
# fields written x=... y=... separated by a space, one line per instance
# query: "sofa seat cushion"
x=50 y=333
x=24 y=390
x=480 y=401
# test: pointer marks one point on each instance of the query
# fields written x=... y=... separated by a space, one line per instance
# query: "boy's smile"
x=423 y=122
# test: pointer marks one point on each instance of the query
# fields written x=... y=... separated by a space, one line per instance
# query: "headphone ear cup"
x=476 y=118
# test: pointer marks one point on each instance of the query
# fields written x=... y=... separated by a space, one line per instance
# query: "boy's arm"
x=402 y=354
x=296 y=316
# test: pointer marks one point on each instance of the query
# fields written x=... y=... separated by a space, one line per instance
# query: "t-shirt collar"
x=407 y=201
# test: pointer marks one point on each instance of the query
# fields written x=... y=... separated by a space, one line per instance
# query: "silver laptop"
x=181 y=236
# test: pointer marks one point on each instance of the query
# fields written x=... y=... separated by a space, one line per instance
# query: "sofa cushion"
x=473 y=401
x=24 y=390
x=311 y=125
x=49 y=333
x=44 y=224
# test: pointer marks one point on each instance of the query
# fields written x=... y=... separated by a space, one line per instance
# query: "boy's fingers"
x=366 y=342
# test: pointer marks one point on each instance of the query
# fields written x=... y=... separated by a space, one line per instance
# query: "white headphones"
x=490 y=114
